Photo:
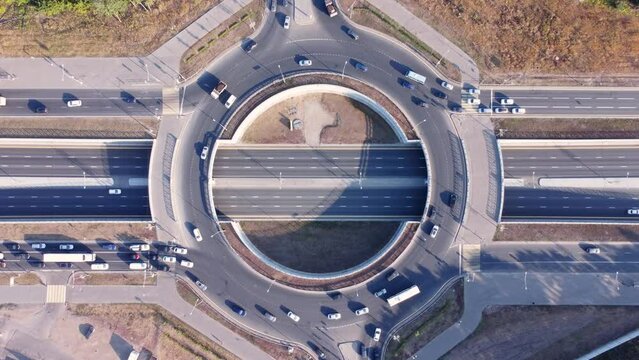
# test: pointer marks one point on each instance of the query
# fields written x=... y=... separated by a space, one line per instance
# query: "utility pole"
x=344 y=69
x=442 y=58
x=281 y=73
x=197 y=302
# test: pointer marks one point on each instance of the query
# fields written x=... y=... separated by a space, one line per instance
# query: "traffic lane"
x=565 y=202
x=21 y=102
x=572 y=257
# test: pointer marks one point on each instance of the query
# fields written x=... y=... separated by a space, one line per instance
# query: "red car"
x=135 y=256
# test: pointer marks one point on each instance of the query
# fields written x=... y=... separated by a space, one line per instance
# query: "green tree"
x=115 y=8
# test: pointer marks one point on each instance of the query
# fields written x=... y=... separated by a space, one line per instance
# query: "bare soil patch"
x=443 y=314
x=24 y=278
x=320 y=285
x=319 y=246
x=78 y=231
x=566 y=128
x=76 y=34
x=545 y=332
x=93 y=128
x=566 y=232
x=154 y=328
x=227 y=34
x=115 y=279
x=277 y=351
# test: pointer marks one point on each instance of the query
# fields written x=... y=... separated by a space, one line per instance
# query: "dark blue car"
x=407 y=84
x=109 y=246
x=361 y=67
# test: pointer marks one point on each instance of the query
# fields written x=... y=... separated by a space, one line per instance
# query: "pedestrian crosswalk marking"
x=56 y=294
x=170 y=101
x=471 y=257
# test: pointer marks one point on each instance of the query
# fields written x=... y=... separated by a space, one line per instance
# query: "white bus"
x=403 y=295
x=68 y=257
x=415 y=76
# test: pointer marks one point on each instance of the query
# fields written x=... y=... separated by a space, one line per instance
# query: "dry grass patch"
x=115 y=279
x=25 y=278
x=566 y=128
x=78 y=231
x=84 y=34
x=544 y=332
x=320 y=246
x=92 y=128
x=566 y=232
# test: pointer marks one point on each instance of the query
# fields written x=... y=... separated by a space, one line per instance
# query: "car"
x=507 y=101
x=287 y=22
x=186 y=264
x=15 y=247
x=38 y=246
x=25 y=256
x=130 y=99
x=361 y=67
x=363 y=350
x=335 y=295
x=518 y=110
x=377 y=335
x=500 y=110
x=456 y=109
x=334 y=316
x=109 y=246
x=485 y=110
x=439 y=94
x=168 y=259
x=593 y=250
x=293 y=316
x=204 y=153
x=66 y=246
x=392 y=275
x=473 y=101
x=273 y=5
x=162 y=267
x=250 y=46
x=446 y=85
x=178 y=250
x=135 y=256
x=633 y=211
x=380 y=293
x=284 y=3
x=422 y=103
x=407 y=84
x=140 y=247
x=197 y=234
x=115 y=191
x=352 y=34
x=100 y=266
x=201 y=285
x=66 y=265
x=452 y=199
x=362 y=311
x=474 y=91
x=305 y=62
x=321 y=354
x=40 y=109
x=1 y=256
x=239 y=310
x=434 y=231
x=270 y=316
x=74 y=103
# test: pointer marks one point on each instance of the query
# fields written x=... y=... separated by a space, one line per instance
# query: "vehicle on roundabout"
x=352 y=34
x=177 y=250
x=380 y=293
x=293 y=316
x=362 y=311
x=406 y=84
x=334 y=316
x=377 y=335
x=201 y=285
x=187 y=264
x=197 y=234
x=361 y=67
x=447 y=85
x=270 y=316
x=305 y=62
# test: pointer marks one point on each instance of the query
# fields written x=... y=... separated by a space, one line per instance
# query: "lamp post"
x=344 y=69
x=281 y=73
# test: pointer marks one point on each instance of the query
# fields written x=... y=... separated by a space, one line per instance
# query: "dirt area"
x=443 y=314
x=93 y=128
x=566 y=128
x=544 y=332
x=331 y=119
x=24 y=278
x=26 y=32
x=114 y=279
x=566 y=232
x=227 y=34
x=277 y=351
x=294 y=81
x=319 y=246
x=76 y=231
x=320 y=285
x=531 y=36
x=627 y=350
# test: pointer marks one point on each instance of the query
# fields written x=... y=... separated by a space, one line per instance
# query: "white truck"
x=415 y=76
x=3 y=101
x=218 y=90
x=330 y=8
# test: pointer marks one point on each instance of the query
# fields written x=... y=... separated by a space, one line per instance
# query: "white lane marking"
x=583 y=98
x=625 y=98
x=605 y=107
x=560 y=98
x=606 y=98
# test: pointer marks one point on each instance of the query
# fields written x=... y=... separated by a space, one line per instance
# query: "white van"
x=115 y=191
x=3 y=101
x=230 y=101
x=137 y=266
x=101 y=266
x=1 y=256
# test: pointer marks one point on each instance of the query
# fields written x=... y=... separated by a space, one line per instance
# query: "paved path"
x=430 y=36
x=161 y=68
x=485 y=289
x=163 y=294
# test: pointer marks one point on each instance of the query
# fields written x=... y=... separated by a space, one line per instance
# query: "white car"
x=362 y=311
x=501 y=110
x=115 y=191
x=270 y=317
x=186 y=263
x=507 y=101
x=633 y=211
x=518 y=111
x=197 y=234
x=168 y=259
x=140 y=247
x=334 y=316
x=485 y=110
x=474 y=91
x=593 y=250
x=434 y=231
x=101 y=266
x=201 y=285
x=293 y=316
x=74 y=103
x=380 y=293
x=287 y=22
x=66 y=247
x=38 y=246
x=205 y=152
x=178 y=250
x=305 y=62
x=447 y=85
x=473 y=101
x=378 y=334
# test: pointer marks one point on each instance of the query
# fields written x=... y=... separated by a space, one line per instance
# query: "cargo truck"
x=415 y=76
x=219 y=89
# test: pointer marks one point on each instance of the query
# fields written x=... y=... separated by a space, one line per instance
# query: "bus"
x=403 y=295
x=415 y=76
x=68 y=257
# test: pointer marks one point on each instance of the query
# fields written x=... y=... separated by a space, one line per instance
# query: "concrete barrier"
x=573 y=143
